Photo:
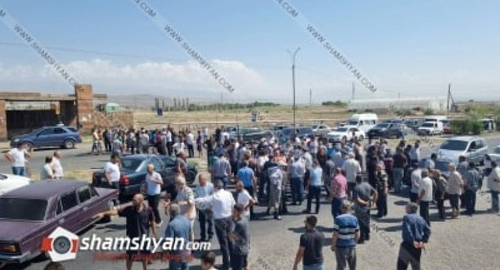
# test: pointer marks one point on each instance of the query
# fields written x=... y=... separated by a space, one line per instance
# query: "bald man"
x=140 y=219
x=153 y=190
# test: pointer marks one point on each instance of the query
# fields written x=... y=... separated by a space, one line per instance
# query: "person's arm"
x=335 y=237
x=298 y=257
x=254 y=180
x=28 y=154
x=152 y=224
x=107 y=177
x=112 y=212
x=9 y=157
x=190 y=202
x=157 y=179
x=375 y=196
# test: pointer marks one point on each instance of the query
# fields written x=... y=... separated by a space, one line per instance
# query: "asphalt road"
x=466 y=243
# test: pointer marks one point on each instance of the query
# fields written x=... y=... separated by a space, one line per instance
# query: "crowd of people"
x=355 y=178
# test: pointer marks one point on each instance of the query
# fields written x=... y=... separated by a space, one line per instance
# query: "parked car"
x=414 y=123
x=54 y=136
x=362 y=121
x=10 y=182
x=257 y=136
x=320 y=129
x=447 y=126
x=133 y=174
x=430 y=129
x=440 y=165
x=303 y=132
x=389 y=130
x=30 y=213
x=472 y=148
x=495 y=154
x=235 y=131
x=345 y=134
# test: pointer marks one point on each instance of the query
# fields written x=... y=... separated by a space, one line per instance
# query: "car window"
x=479 y=144
x=131 y=163
x=22 y=209
x=454 y=145
x=59 y=131
x=47 y=131
x=69 y=201
x=93 y=193
x=84 y=194
x=168 y=161
x=157 y=163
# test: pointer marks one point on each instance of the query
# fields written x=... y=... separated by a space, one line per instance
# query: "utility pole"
x=292 y=55
x=448 y=99
x=310 y=99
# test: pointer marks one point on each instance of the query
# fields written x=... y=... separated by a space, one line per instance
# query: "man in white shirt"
x=416 y=178
x=351 y=169
x=244 y=198
x=190 y=144
x=112 y=171
x=205 y=212
x=425 y=195
x=56 y=165
x=222 y=202
x=17 y=157
x=46 y=172
x=153 y=190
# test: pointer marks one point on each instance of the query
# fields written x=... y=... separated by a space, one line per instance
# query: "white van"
x=431 y=128
x=362 y=121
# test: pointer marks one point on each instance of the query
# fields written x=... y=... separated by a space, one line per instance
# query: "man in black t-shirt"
x=311 y=246
x=140 y=219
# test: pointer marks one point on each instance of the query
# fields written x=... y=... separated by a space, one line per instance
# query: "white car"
x=430 y=128
x=10 y=182
x=320 y=129
x=495 y=154
x=346 y=134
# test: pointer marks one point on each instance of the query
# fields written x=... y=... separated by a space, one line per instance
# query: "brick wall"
x=85 y=107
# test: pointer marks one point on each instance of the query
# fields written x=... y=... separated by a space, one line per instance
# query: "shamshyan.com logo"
x=63 y=245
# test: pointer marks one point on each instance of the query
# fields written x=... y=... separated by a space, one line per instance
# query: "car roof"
x=45 y=189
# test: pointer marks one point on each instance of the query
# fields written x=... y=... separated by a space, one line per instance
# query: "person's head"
x=239 y=186
x=174 y=210
x=337 y=171
x=115 y=158
x=493 y=164
x=57 y=154
x=350 y=156
x=472 y=165
x=414 y=165
x=359 y=179
x=346 y=206
x=21 y=145
x=425 y=173
x=310 y=222
x=138 y=199
x=180 y=154
x=54 y=266
x=207 y=260
x=315 y=163
x=180 y=182
x=461 y=158
x=48 y=159
x=452 y=167
x=437 y=174
x=218 y=185
x=434 y=156
x=238 y=210
x=202 y=179
x=379 y=167
x=150 y=168
x=411 y=208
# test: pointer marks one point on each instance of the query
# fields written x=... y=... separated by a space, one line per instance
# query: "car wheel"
x=69 y=144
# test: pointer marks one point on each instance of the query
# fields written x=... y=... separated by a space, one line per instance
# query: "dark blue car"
x=54 y=136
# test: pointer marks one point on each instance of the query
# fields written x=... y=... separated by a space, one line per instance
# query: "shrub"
x=467 y=126
x=428 y=111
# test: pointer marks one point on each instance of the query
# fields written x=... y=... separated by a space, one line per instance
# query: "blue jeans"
x=297 y=189
x=494 y=200
x=314 y=267
x=18 y=171
x=336 y=207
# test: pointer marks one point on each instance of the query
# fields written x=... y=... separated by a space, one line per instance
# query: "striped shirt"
x=346 y=225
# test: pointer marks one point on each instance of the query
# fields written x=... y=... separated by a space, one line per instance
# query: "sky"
x=406 y=48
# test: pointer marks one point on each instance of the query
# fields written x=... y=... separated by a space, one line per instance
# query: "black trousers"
x=223 y=228
x=190 y=148
x=206 y=224
x=413 y=197
x=169 y=148
x=314 y=192
x=107 y=145
x=440 y=207
x=470 y=201
x=424 y=211
x=252 y=193
x=153 y=201
x=408 y=254
x=363 y=215
x=381 y=203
